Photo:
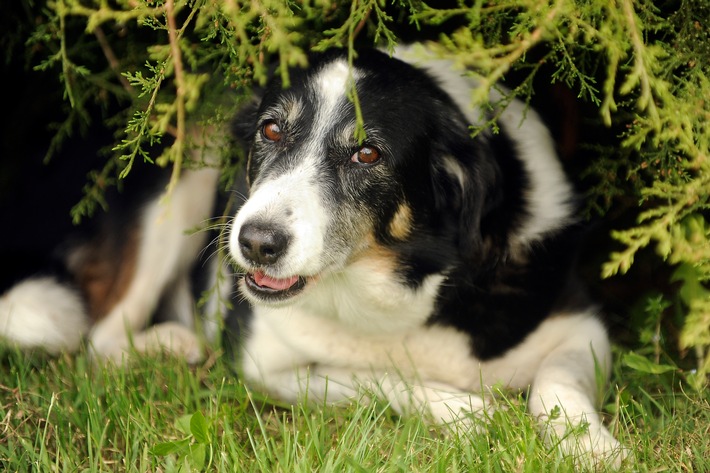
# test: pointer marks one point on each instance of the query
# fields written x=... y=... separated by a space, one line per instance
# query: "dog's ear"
x=469 y=186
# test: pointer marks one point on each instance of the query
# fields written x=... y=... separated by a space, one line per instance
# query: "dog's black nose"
x=262 y=244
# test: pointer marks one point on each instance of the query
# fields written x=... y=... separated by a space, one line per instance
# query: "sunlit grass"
x=64 y=415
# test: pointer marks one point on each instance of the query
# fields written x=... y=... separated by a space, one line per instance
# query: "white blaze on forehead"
x=332 y=84
x=330 y=88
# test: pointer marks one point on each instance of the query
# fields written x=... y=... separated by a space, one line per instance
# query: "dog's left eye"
x=272 y=131
x=366 y=155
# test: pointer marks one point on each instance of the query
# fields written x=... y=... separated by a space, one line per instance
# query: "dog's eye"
x=272 y=131
x=366 y=155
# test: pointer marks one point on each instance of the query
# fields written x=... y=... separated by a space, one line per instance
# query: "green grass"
x=62 y=414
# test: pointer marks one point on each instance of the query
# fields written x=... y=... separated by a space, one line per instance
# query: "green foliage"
x=195 y=449
x=643 y=65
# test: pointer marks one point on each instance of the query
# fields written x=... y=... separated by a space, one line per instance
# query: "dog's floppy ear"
x=469 y=186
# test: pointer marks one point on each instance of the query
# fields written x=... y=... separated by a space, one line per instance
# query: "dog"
x=128 y=279
x=400 y=255
x=383 y=248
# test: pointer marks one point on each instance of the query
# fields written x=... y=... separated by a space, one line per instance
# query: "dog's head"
x=410 y=195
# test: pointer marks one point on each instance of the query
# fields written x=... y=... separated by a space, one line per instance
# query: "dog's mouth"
x=271 y=289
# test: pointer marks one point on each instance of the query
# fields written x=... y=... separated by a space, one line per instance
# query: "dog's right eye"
x=366 y=155
x=272 y=131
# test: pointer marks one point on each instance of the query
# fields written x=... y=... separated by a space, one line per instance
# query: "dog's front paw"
x=459 y=410
x=169 y=337
x=591 y=445
x=172 y=338
x=441 y=405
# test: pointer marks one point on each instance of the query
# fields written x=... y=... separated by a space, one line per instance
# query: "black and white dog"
x=420 y=262
x=413 y=260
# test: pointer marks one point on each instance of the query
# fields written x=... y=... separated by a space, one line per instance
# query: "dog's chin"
x=263 y=289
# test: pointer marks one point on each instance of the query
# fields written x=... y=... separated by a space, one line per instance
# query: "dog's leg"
x=438 y=402
x=564 y=391
x=319 y=384
x=178 y=302
x=165 y=254
x=276 y=360
x=169 y=337
x=43 y=313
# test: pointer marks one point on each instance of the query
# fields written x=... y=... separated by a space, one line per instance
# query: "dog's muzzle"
x=262 y=246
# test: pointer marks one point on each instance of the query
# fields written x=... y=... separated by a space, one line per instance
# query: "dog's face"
x=320 y=199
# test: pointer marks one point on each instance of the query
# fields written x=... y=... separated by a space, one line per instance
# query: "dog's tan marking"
x=400 y=227
x=104 y=276
x=381 y=259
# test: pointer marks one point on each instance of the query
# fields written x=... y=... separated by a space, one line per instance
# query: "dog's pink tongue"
x=274 y=283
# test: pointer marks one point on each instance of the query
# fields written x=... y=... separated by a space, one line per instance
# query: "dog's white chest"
x=291 y=339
